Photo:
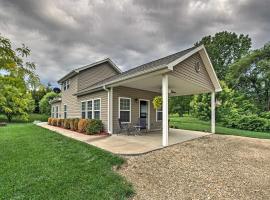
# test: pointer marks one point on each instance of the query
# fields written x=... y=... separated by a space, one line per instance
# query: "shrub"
x=82 y=125
x=67 y=123
x=59 y=122
x=50 y=121
x=54 y=121
x=94 y=126
x=76 y=121
x=71 y=124
x=265 y=115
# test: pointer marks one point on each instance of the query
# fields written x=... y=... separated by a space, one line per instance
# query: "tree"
x=251 y=75
x=44 y=104
x=179 y=105
x=38 y=93
x=16 y=77
x=15 y=102
x=224 y=48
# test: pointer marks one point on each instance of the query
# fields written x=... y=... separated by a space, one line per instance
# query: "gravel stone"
x=211 y=167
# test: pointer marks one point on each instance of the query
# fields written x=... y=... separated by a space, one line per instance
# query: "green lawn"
x=190 y=123
x=32 y=117
x=36 y=163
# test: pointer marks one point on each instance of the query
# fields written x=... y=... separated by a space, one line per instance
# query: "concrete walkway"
x=129 y=145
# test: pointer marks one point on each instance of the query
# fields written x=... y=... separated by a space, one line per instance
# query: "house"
x=102 y=91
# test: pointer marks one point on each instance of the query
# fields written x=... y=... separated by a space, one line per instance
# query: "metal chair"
x=141 y=125
x=123 y=128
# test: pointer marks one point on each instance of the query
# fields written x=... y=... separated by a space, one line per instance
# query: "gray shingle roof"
x=156 y=64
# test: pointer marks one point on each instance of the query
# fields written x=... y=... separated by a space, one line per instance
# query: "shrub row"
x=88 y=126
x=248 y=122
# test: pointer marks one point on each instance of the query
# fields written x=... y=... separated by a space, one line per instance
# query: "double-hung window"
x=65 y=111
x=56 y=111
x=83 y=110
x=66 y=85
x=159 y=114
x=125 y=109
x=52 y=111
x=91 y=109
x=97 y=109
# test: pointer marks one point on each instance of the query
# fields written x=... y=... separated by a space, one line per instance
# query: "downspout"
x=108 y=109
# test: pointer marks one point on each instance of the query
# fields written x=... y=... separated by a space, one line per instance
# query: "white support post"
x=111 y=111
x=213 y=114
x=165 y=124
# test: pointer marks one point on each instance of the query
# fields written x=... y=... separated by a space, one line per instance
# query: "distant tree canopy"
x=224 y=48
x=16 y=78
x=251 y=75
x=44 y=104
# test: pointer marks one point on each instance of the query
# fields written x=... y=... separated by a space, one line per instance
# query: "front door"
x=144 y=111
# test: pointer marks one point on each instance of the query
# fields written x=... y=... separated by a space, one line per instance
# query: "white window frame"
x=157 y=111
x=119 y=98
x=65 y=111
x=56 y=111
x=52 y=114
x=66 y=85
x=85 y=117
x=93 y=109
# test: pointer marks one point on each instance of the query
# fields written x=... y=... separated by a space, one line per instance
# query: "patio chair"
x=123 y=128
x=141 y=125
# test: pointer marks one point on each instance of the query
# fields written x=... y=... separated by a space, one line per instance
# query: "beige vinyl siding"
x=186 y=70
x=134 y=94
x=69 y=99
x=95 y=74
x=103 y=95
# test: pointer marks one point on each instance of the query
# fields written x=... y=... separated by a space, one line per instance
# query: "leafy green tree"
x=44 y=104
x=224 y=48
x=15 y=102
x=38 y=93
x=16 y=77
x=251 y=75
x=179 y=105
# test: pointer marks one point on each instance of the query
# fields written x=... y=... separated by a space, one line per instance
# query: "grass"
x=32 y=117
x=36 y=163
x=190 y=123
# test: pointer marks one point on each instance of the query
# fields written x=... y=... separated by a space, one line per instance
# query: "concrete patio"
x=129 y=145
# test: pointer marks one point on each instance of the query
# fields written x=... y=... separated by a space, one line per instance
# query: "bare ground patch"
x=211 y=167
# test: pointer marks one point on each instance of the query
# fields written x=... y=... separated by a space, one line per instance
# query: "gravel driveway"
x=211 y=167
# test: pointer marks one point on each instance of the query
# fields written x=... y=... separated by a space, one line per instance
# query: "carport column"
x=213 y=114
x=165 y=125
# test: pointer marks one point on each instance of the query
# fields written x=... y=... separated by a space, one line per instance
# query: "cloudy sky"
x=68 y=34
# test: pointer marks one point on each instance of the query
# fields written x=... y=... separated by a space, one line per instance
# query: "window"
x=52 y=111
x=83 y=108
x=159 y=114
x=89 y=109
x=65 y=111
x=125 y=109
x=66 y=85
x=97 y=109
x=56 y=111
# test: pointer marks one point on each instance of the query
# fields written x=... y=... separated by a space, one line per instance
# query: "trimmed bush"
x=67 y=123
x=76 y=121
x=50 y=121
x=59 y=122
x=265 y=115
x=94 y=126
x=82 y=125
x=54 y=121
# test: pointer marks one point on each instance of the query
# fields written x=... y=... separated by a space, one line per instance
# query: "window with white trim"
x=66 y=84
x=97 y=109
x=125 y=109
x=52 y=114
x=90 y=109
x=159 y=114
x=65 y=111
x=56 y=111
x=83 y=110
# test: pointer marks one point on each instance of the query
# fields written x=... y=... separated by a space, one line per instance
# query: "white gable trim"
x=206 y=60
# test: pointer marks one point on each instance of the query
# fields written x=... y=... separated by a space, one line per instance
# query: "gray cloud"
x=67 y=34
